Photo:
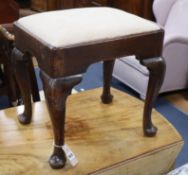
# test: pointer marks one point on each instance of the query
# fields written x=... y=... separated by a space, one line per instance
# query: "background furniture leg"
x=108 y=66
x=56 y=92
x=22 y=78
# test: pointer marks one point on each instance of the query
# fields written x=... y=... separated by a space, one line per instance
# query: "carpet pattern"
x=93 y=78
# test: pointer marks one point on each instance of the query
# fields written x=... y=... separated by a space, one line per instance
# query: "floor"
x=104 y=127
x=179 y=99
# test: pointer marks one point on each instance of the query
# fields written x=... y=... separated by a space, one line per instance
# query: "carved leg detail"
x=156 y=67
x=56 y=93
x=22 y=78
x=106 y=96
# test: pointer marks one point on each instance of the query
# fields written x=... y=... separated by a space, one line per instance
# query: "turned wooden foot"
x=58 y=159
x=56 y=93
x=106 y=96
x=156 y=67
x=20 y=63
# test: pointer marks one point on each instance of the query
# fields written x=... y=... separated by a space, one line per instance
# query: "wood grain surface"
x=179 y=99
x=107 y=139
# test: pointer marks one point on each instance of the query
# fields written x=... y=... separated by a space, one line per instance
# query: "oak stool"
x=66 y=42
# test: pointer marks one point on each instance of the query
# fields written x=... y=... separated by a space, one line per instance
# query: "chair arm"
x=175 y=39
x=5 y=34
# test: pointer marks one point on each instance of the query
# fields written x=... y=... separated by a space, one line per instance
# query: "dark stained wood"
x=106 y=96
x=111 y=49
x=156 y=67
x=66 y=4
x=141 y=8
x=22 y=77
x=9 y=11
x=8 y=87
x=87 y=3
x=56 y=92
x=7 y=42
x=44 y=5
x=61 y=69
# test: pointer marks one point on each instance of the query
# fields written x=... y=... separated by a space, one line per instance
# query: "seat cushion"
x=65 y=28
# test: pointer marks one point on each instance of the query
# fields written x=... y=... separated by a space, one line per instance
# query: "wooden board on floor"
x=179 y=99
x=107 y=139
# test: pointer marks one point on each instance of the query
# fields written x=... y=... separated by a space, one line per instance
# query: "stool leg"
x=156 y=67
x=108 y=66
x=21 y=73
x=56 y=93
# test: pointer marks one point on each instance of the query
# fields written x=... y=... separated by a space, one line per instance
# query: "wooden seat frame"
x=62 y=68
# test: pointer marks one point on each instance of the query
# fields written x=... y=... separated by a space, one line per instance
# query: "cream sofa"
x=173 y=16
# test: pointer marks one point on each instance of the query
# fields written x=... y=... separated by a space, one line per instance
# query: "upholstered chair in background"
x=9 y=12
x=172 y=15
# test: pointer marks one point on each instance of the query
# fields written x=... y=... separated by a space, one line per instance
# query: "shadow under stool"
x=66 y=42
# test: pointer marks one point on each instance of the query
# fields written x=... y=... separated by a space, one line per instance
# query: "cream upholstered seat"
x=57 y=28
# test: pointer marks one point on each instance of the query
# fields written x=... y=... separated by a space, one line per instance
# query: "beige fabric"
x=65 y=28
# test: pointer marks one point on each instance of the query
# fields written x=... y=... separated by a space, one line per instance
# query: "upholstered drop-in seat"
x=66 y=28
x=66 y=42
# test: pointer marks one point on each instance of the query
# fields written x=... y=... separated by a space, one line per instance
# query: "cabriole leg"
x=56 y=93
x=156 y=67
